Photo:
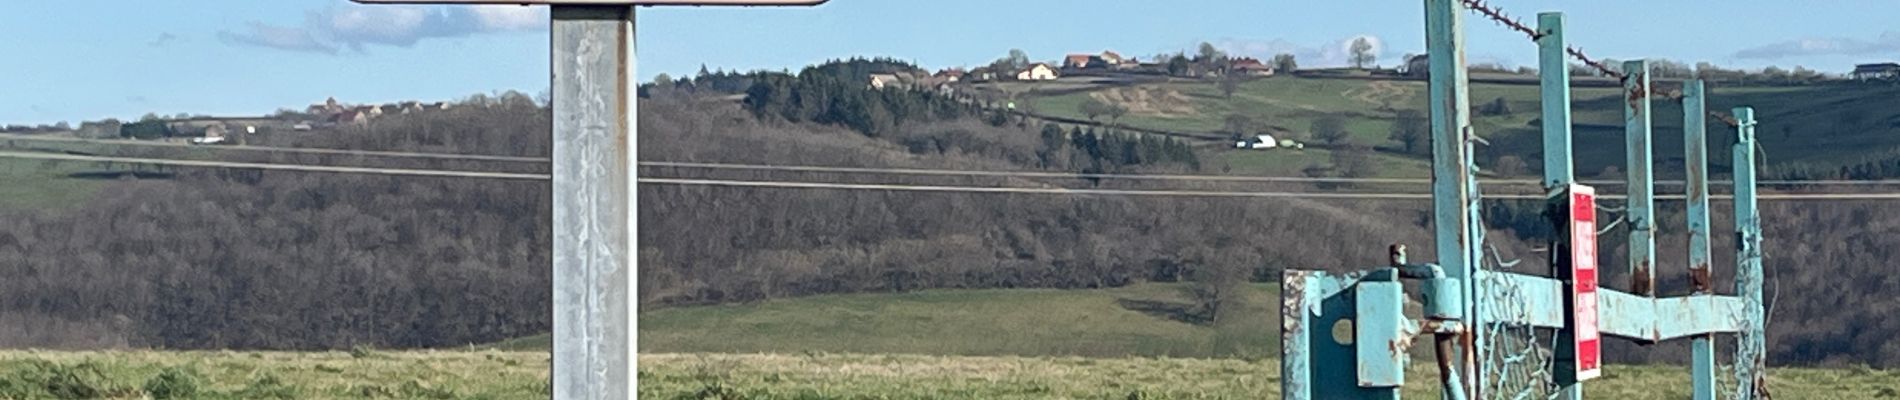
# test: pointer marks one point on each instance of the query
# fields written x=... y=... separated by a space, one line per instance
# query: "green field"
x=44 y=185
x=945 y=344
x=1028 y=322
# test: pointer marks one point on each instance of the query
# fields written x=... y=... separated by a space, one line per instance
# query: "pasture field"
x=45 y=186
x=1119 y=343
x=493 y=374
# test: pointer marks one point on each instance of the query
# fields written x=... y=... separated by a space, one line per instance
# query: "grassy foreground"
x=492 y=374
x=273 y=375
x=697 y=376
x=948 y=344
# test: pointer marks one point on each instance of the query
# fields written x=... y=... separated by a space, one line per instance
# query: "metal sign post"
x=595 y=221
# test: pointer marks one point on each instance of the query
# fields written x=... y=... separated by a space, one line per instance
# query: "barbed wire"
x=1497 y=15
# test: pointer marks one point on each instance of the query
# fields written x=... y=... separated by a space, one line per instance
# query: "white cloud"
x=505 y=18
x=1888 y=42
x=357 y=26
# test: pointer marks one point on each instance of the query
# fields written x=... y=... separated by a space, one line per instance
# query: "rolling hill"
x=1829 y=124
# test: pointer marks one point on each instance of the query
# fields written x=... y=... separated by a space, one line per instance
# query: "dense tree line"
x=1091 y=152
x=291 y=260
x=839 y=93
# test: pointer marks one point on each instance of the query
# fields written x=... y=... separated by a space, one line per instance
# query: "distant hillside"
x=1806 y=131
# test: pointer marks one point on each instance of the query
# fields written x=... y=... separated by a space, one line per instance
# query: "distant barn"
x=1877 y=71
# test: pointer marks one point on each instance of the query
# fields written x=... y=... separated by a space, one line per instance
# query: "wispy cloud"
x=162 y=40
x=357 y=26
x=277 y=37
x=1331 y=54
x=1888 y=42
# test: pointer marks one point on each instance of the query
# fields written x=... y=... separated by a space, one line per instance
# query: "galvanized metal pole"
x=1453 y=201
x=1695 y=147
x=595 y=221
x=1750 y=364
x=1642 y=186
x=1554 y=73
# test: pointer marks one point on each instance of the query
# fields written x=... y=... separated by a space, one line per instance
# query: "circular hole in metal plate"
x=1342 y=331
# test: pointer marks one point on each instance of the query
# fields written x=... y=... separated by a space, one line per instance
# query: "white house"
x=1037 y=72
x=880 y=81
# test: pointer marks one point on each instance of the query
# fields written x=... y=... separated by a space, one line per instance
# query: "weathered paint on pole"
x=1695 y=148
x=1554 y=73
x=1453 y=202
x=595 y=222
x=1750 y=363
x=1642 y=186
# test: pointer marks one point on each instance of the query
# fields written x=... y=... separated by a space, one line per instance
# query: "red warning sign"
x=1583 y=271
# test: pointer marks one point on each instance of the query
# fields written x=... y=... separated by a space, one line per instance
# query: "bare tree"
x=1413 y=132
x=1092 y=108
x=1330 y=129
x=1228 y=84
x=1353 y=160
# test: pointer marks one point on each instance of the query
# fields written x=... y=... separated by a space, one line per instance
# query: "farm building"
x=1037 y=72
x=1877 y=71
x=1080 y=61
x=1250 y=67
x=950 y=75
x=880 y=81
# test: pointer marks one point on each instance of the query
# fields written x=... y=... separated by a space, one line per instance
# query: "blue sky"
x=74 y=60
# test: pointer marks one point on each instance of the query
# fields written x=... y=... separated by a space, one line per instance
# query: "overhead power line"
x=294 y=150
x=907 y=171
x=883 y=187
x=1032 y=174
x=1203 y=193
x=277 y=166
x=1212 y=178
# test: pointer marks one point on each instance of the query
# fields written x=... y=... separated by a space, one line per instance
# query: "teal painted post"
x=1695 y=147
x=1553 y=71
x=1750 y=363
x=1453 y=203
x=1554 y=74
x=1642 y=188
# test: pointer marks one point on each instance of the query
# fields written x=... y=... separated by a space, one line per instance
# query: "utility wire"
x=905 y=171
x=885 y=187
x=278 y=167
x=1204 y=193
x=1218 y=178
x=268 y=149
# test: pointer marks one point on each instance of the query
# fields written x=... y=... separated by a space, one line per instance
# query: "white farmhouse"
x=1037 y=72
